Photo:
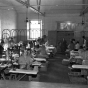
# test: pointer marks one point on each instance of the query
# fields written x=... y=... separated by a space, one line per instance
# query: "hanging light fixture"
x=38 y=7
x=27 y=15
x=83 y=19
x=26 y=2
x=27 y=6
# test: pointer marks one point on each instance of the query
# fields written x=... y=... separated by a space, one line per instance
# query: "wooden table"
x=25 y=84
x=80 y=66
x=78 y=57
x=5 y=65
x=40 y=59
x=74 y=53
x=24 y=72
x=15 y=55
x=3 y=60
x=50 y=47
x=36 y=63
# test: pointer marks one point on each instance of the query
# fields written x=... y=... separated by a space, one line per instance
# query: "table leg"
x=30 y=78
x=3 y=76
x=21 y=77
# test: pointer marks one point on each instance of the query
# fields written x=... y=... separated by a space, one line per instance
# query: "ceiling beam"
x=38 y=4
x=84 y=8
x=84 y=11
x=31 y=7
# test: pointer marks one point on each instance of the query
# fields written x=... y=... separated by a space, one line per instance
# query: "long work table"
x=80 y=66
x=24 y=73
x=40 y=59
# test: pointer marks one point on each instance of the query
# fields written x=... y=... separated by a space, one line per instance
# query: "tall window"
x=28 y=37
x=35 y=29
x=0 y=31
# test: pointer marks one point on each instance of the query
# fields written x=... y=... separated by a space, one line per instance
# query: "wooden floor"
x=56 y=72
x=56 y=76
x=25 y=84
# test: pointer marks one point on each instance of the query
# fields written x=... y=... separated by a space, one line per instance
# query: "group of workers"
x=27 y=52
x=72 y=45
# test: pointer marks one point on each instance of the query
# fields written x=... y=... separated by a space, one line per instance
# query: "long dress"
x=63 y=46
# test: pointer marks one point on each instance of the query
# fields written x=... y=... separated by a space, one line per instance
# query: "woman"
x=84 y=41
x=25 y=60
x=42 y=52
x=71 y=46
x=77 y=46
x=1 y=50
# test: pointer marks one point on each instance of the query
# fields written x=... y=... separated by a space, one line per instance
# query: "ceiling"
x=47 y=6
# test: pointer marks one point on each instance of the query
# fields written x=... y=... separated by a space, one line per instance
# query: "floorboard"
x=56 y=72
x=26 y=84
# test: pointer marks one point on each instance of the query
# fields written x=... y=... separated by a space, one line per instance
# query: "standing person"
x=63 y=46
x=2 y=41
x=1 y=50
x=84 y=41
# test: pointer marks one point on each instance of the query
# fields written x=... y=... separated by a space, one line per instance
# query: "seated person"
x=84 y=53
x=35 y=51
x=5 y=46
x=77 y=46
x=42 y=52
x=46 y=44
x=25 y=60
x=28 y=46
x=71 y=46
x=37 y=48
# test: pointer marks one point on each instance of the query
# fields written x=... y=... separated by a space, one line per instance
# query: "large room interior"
x=43 y=44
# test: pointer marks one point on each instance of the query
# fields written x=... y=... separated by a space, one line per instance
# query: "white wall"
x=49 y=22
x=8 y=19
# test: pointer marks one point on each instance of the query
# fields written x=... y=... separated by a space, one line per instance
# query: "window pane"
x=27 y=30
x=35 y=29
x=35 y=33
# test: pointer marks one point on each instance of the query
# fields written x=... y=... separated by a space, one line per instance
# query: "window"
x=35 y=29
x=28 y=31
x=0 y=31
x=67 y=25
